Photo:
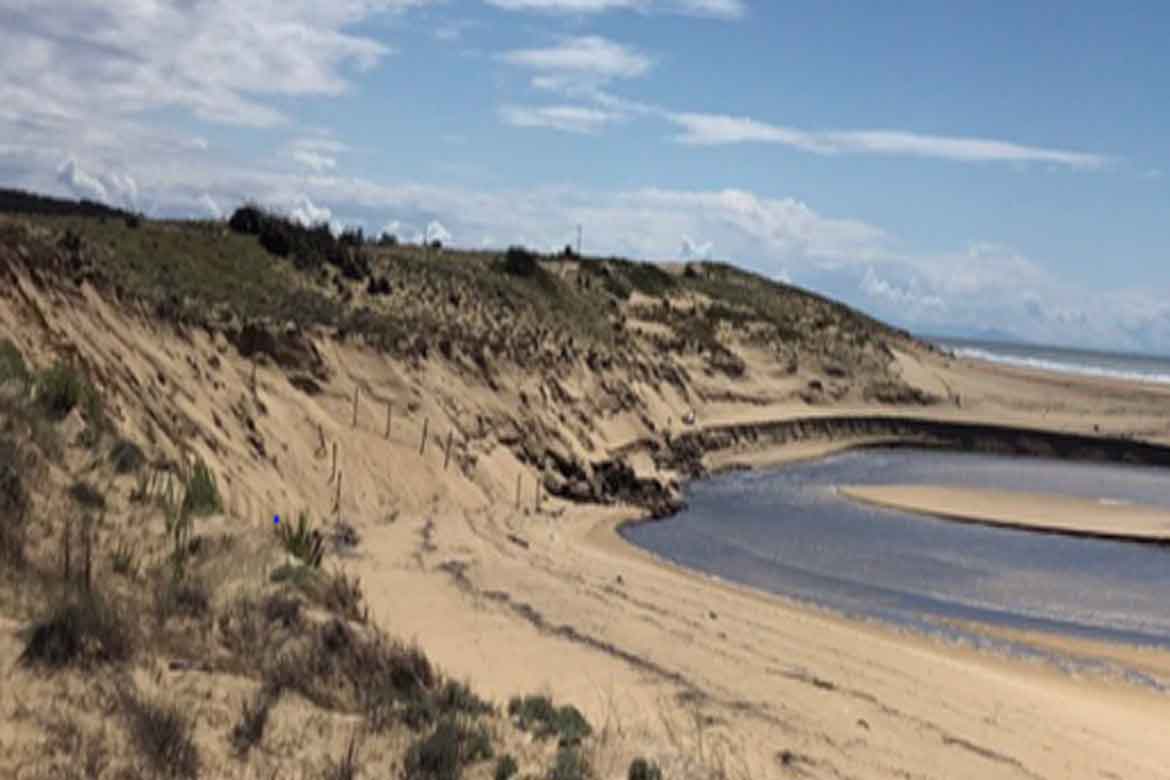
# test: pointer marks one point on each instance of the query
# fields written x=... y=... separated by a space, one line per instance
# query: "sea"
x=1117 y=365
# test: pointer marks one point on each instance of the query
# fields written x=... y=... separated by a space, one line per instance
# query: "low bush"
x=202 y=494
x=12 y=365
x=506 y=768
x=302 y=541
x=79 y=629
x=361 y=671
x=124 y=560
x=87 y=496
x=181 y=597
x=641 y=769
x=60 y=389
x=538 y=715
x=126 y=456
x=445 y=751
x=253 y=720
x=569 y=765
x=518 y=261
x=14 y=502
x=162 y=734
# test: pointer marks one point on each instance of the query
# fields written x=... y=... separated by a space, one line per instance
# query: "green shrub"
x=162 y=733
x=79 y=629
x=180 y=596
x=649 y=279
x=641 y=769
x=202 y=494
x=518 y=261
x=253 y=720
x=443 y=754
x=60 y=389
x=303 y=541
x=570 y=765
x=87 y=496
x=12 y=365
x=126 y=456
x=506 y=767
x=13 y=505
x=538 y=715
x=124 y=560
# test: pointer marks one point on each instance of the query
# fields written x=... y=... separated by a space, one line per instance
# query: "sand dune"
x=472 y=545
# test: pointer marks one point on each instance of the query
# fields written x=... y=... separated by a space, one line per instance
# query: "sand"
x=1028 y=511
x=711 y=679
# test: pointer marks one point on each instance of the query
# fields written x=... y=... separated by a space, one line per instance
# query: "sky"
x=961 y=167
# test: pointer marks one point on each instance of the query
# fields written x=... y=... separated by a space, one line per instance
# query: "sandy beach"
x=1102 y=518
x=516 y=590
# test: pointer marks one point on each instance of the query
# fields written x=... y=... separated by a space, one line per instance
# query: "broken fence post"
x=422 y=447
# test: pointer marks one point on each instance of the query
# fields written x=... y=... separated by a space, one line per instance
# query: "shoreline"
x=607 y=534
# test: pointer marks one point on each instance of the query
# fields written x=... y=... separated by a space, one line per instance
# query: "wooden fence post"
x=389 y=417
x=355 y=405
x=333 y=471
x=447 y=454
x=518 y=478
x=422 y=447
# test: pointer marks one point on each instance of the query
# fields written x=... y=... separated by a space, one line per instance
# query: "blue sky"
x=950 y=167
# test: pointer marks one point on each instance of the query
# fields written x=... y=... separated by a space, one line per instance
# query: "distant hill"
x=21 y=202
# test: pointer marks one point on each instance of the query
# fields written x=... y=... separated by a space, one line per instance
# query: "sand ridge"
x=1101 y=519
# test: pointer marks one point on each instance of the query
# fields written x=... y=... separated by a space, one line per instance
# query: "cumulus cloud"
x=82 y=184
x=109 y=187
x=718 y=129
x=573 y=119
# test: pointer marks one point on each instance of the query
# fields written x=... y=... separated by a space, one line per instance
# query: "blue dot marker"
x=276 y=520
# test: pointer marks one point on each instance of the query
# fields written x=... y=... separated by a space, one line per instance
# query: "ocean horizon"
x=1066 y=360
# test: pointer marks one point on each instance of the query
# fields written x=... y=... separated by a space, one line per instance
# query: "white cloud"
x=590 y=55
x=214 y=58
x=692 y=250
x=309 y=214
x=318 y=154
x=211 y=206
x=724 y=9
x=902 y=297
x=110 y=187
x=82 y=184
x=436 y=232
x=717 y=129
x=574 y=119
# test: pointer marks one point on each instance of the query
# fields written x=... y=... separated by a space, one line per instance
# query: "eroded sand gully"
x=521 y=600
